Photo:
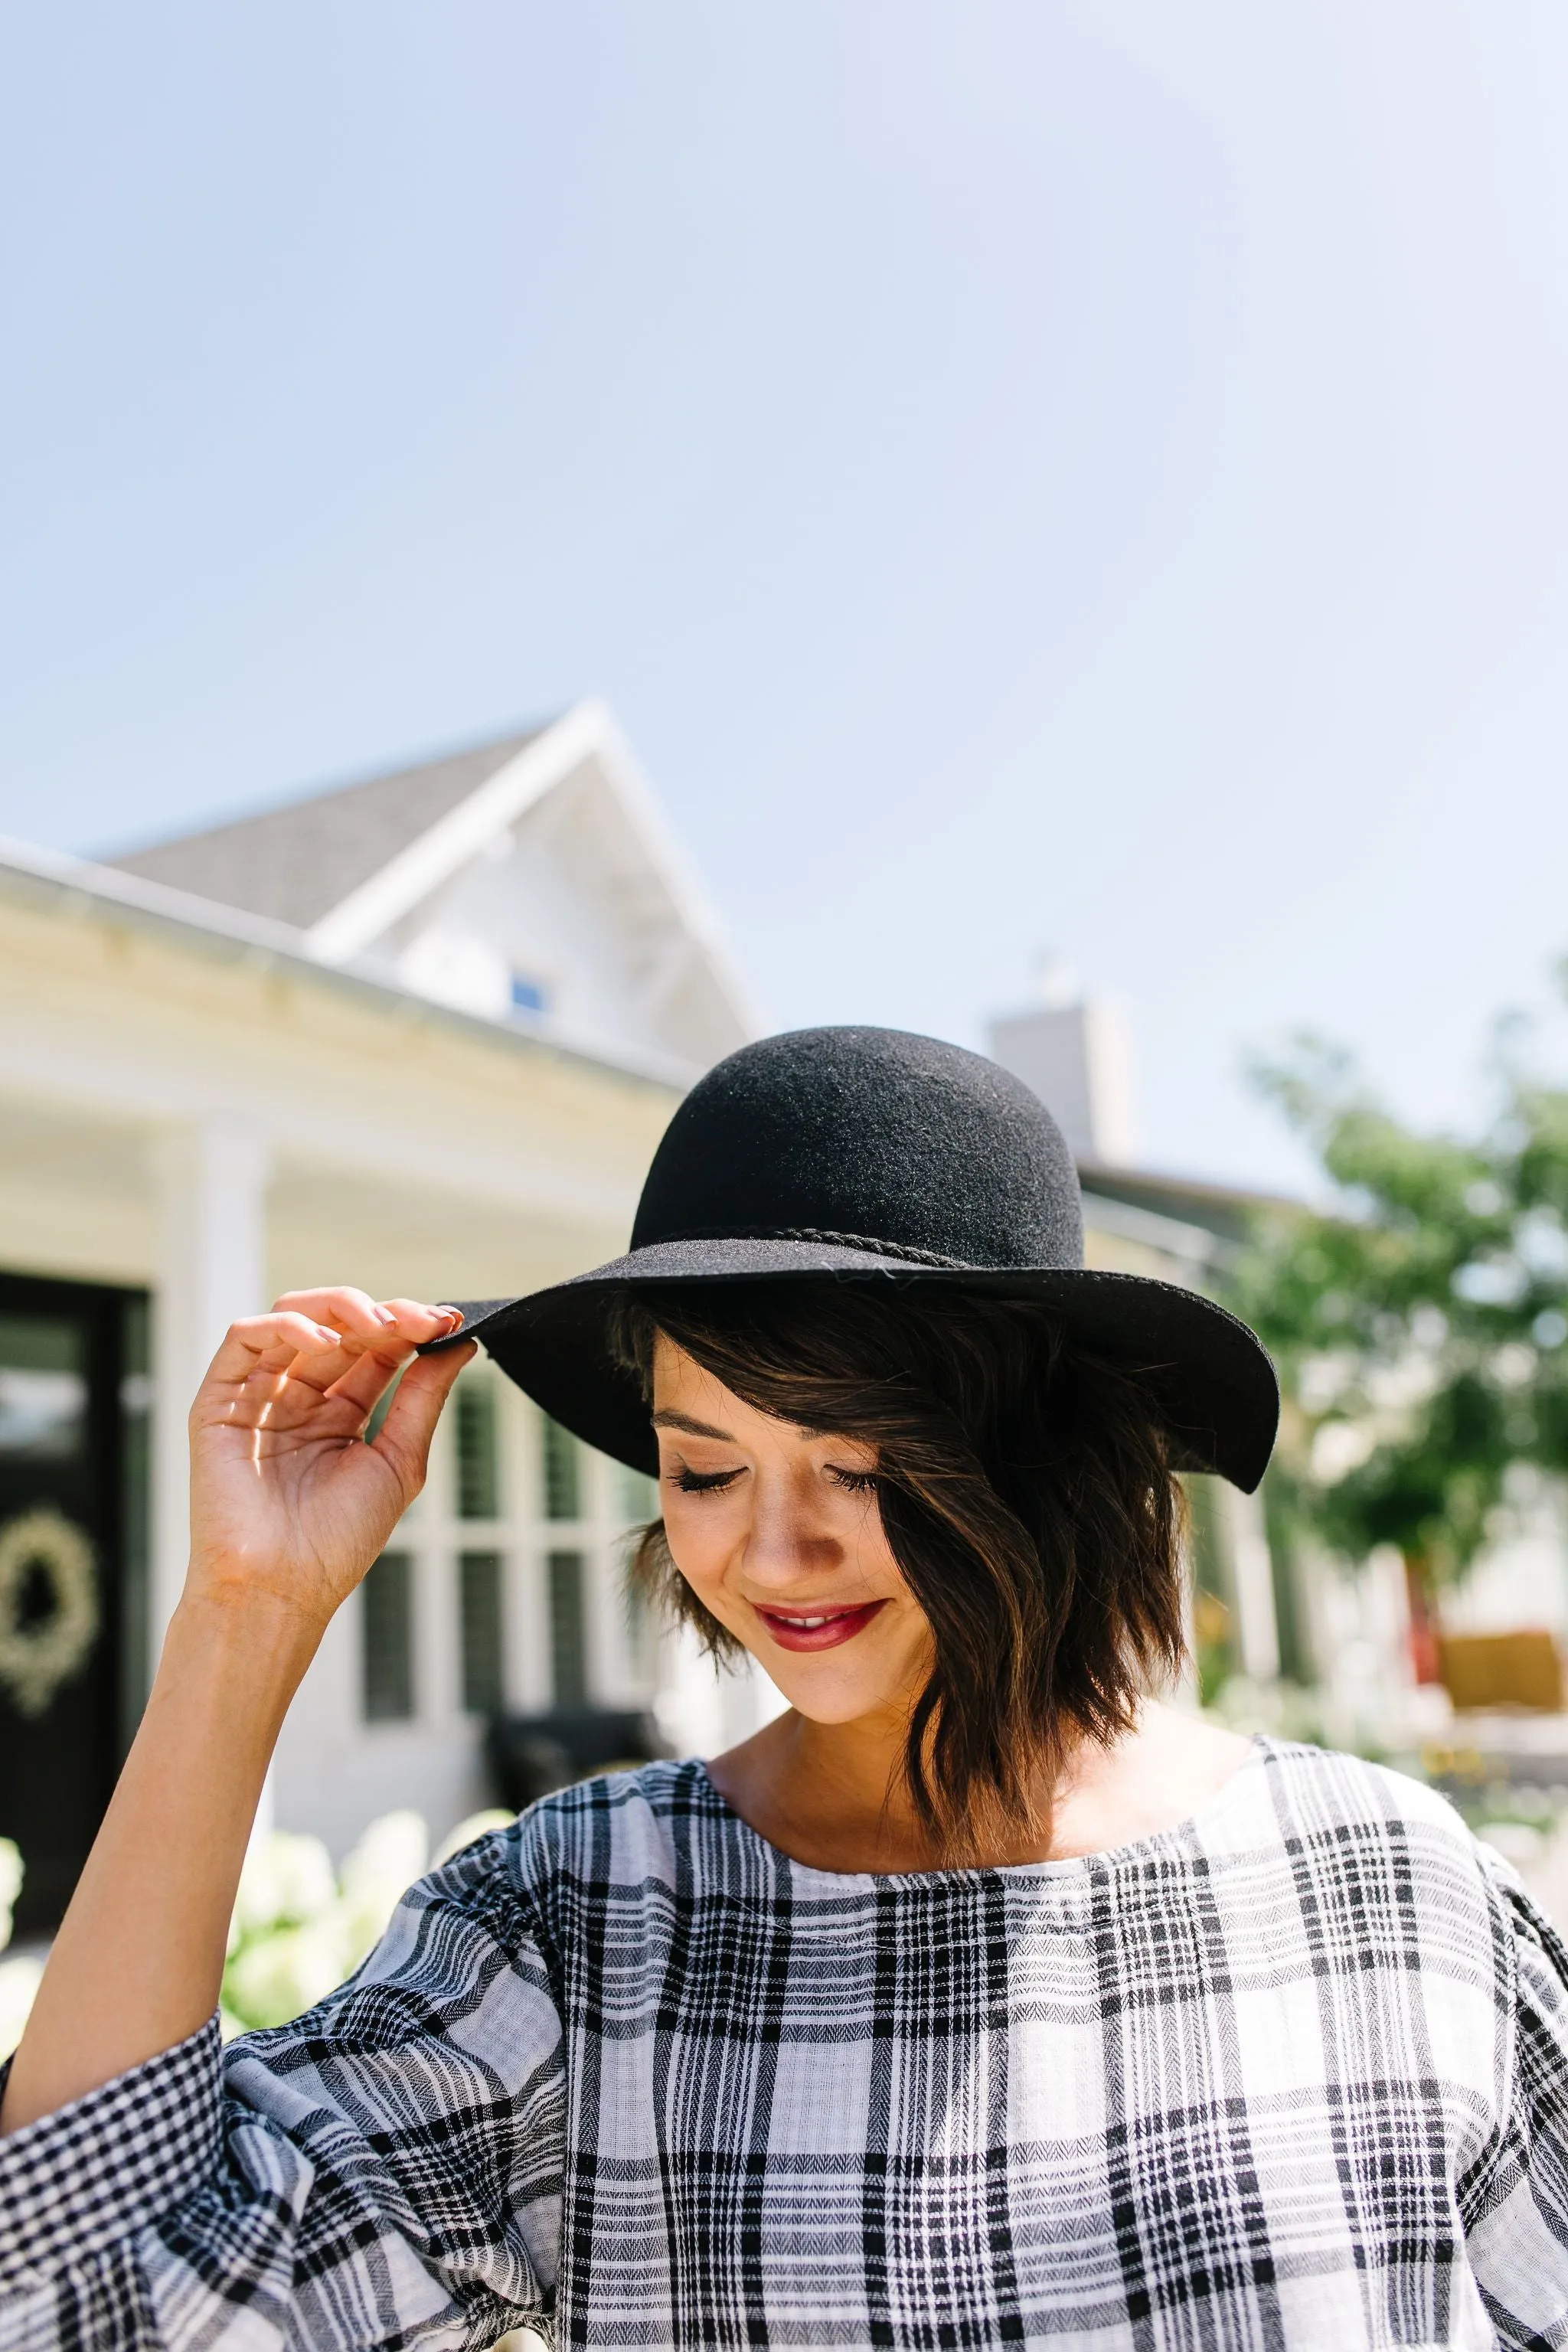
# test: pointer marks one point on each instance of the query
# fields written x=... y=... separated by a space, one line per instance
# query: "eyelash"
x=855 y=1482
x=695 y=1482
x=713 y=1482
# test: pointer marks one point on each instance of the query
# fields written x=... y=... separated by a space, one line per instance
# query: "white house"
x=421 y=1034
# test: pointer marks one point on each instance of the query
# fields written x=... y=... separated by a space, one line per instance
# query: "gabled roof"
x=296 y=862
x=352 y=875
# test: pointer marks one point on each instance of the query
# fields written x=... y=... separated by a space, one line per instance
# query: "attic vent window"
x=529 y=993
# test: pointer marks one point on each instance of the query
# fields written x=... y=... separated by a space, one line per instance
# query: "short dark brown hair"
x=1026 y=1493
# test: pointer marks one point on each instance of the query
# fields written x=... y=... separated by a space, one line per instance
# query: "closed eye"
x=703 y=1482
x=855 y=1482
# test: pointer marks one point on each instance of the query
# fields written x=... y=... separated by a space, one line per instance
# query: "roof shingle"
x=297 y=863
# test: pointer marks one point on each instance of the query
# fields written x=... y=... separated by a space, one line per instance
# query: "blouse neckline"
x=1159 y=1846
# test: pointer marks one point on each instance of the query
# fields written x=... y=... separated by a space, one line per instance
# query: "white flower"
x=286 y=1881
x=289 y=1970
x=376 y=1875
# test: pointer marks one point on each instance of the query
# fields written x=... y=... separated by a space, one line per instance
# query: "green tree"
x=1420 y=1324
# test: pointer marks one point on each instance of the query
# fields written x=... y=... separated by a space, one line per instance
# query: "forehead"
x=681 y=1386
x=679 y=1380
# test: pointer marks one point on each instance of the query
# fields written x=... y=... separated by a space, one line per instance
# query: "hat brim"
x=1211 y=1376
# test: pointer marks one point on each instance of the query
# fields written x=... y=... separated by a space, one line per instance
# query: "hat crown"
x=870 y=1136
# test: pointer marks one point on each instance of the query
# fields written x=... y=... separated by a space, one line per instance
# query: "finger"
x=410 y=1324
x=363 y=1321
x=405 y=1435
x=365 y=1381
x=376 y=1339
x=419 y=1322
x=269 y=1343
x=349 y=1310
x=352 y=1312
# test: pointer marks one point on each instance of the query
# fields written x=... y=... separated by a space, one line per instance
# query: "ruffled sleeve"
x=1516 y=2200
x=385 y=2171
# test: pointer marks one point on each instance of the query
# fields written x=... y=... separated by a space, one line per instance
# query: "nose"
x=785 y=1543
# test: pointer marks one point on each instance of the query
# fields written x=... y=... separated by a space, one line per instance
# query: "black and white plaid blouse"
x=1294 y=2074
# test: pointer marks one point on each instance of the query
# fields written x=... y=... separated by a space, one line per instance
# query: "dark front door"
x=61 y=1537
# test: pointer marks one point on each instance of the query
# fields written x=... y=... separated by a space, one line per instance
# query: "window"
x=563 y=1473
x=479 y=1466
x=386 y=1623
x=505 y=1586
x=568 y=1633
x=480 y=1597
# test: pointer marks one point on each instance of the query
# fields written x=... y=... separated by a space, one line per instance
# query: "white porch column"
x=1252 y=1570
x=211 y=1185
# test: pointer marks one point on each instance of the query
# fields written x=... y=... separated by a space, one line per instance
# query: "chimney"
x=1075 y=1054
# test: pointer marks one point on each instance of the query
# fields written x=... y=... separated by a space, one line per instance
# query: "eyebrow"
x=669 y=1419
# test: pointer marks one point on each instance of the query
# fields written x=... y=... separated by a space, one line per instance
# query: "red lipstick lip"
x=839 y=1625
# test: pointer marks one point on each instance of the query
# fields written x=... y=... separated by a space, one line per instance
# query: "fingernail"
x=384 y=1315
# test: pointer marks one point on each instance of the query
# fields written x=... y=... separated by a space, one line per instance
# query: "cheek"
x=702 y=1553
x=699 y=1541
x=872 y=1553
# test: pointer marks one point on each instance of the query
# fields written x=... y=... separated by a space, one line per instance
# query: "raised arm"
x=289 y=1505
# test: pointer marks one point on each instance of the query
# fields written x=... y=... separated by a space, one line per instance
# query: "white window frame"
x=435 y=1537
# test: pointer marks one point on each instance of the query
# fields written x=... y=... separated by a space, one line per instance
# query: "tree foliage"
x=1421 y=1324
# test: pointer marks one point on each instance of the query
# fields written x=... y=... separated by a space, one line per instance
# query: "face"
x=778 y=1532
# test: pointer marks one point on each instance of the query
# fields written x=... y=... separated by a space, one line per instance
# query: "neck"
x=834 y=1796
x=844 y=1783
x=837 y=1795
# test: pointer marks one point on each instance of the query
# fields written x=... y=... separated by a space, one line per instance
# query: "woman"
x=977 y=1999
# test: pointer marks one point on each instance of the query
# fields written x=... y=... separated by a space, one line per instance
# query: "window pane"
x=568 y=1633
x=479 y=1482
x=43 y=1387
x=480 y=1574
x=388 y=1627
x=562 y=1472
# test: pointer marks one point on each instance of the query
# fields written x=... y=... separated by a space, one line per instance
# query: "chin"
x=829 y=1698
x=834 y=1707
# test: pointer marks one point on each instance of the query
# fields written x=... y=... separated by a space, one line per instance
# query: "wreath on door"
x=40 y=1652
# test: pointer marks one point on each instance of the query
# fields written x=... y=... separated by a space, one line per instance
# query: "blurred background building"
x=422 y=1034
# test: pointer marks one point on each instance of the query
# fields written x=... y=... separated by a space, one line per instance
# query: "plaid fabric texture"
x=1295 y=2074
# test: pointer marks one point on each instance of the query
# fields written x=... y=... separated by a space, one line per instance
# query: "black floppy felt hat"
x=870 y=1155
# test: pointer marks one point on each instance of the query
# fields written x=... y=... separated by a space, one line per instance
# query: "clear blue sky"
x=1087 y=475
